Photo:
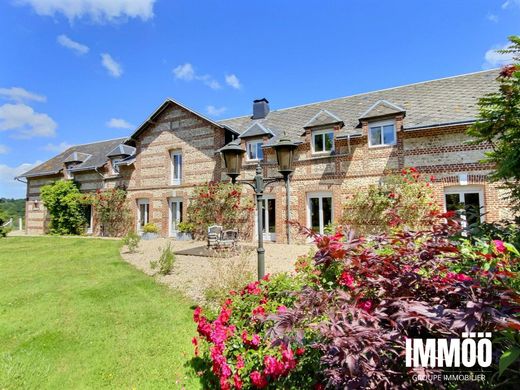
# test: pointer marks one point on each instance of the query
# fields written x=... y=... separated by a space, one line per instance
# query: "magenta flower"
x=258 y=379
x=499 y=246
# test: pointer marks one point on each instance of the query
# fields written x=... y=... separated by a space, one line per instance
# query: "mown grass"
x=74 y=315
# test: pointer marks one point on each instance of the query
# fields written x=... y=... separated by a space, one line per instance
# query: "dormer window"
x=254 y=150
x=115 y=165
x=381 y=134
x=322 y=141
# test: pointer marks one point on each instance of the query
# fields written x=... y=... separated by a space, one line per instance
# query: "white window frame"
x=179 y=203
x=324 y=131
x=320 y=196
x=176 y=180
x=381 y=124
x=249 y=145
x=142 y=201
x=68 y=173
x=115 y=168
x=461 y=190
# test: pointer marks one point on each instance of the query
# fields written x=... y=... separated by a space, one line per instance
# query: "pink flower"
x=366 y=305
x=223 y=318
x=237 y=381
x=346 y=279
x=499 y=246
x=258 y=379
x=259 y=311
x=281 y=309
x=196 y=314
x=240 y=362
x=255 y=341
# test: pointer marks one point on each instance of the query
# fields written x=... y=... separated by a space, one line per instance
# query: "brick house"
x=343 y=144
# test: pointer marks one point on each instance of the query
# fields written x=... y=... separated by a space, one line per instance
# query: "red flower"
x=432 y=178
x=196 y=344
x=346 y=279
x=448 y=214
x=300 y=351
x=366 y=305
x=196 y=314
x=259 y=311
x=499 y=246
x=258 y=379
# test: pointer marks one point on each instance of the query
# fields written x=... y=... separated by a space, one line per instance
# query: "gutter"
x=465 y=122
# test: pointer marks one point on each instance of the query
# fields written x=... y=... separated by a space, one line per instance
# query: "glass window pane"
x=452 y=202
x=318 y=142
x=271 y=209
x=250 y=152
x=174 y=215
x=315 y=213
x=389 y=134
x=375 y=135
x=259 y=151
x=327 y=211
x=329 y=141
x=472 y=207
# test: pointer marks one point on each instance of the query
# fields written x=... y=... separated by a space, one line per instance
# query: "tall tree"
x=499 y=124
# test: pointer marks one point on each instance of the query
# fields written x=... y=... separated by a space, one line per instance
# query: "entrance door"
x=175 y=215
x=89 y=217
x=143 y=209
x=269 y=218
x=319 y=211
x=468 y=200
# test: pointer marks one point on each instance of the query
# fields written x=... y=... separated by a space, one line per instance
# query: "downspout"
x=348 y=140
x=17 y=178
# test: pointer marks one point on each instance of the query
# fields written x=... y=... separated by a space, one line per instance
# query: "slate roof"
x=121 y=150
x=97 y=150
x=427 y=104
x=77 y=157
x=256 y=129
x=382 y=108
x=323 y=117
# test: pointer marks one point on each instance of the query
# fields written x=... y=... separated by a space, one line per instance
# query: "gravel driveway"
x=191 y=273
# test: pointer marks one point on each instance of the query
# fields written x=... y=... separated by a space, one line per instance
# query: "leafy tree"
x=3 y=219
x=64 y=203
x=499 y=125
x=13 y=208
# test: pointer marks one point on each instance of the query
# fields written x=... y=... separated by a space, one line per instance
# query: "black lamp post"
x=233 y=154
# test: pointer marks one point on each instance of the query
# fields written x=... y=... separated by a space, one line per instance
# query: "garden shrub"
x=65 y=205
x=112 y=211
x=166 y=261
x=3 y=220
x=150 y=228
x=404 y=200
x=131 y=240
x=342 y=320
x=219 y=203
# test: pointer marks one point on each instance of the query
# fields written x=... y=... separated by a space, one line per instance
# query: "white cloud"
x=57 y=148
x=97 y=10
x=494 y=59
x=492 y=18
x=212 y=110
x=113 y=67
x=9 y=187
x=510 y=3
x=4 y=149
x=233 y=81
x=118 y=123
x=77 y=47
x=186 y=72
x=18 y=94
x=25 y=123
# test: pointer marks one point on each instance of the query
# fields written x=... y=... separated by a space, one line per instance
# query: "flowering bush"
x=343 y=320
x=111 y=211
x=404 y=200
x=221 y=204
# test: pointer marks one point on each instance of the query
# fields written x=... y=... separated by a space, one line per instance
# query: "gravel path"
x=191 y=273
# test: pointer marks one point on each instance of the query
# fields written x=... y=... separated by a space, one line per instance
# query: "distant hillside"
x=13 y=208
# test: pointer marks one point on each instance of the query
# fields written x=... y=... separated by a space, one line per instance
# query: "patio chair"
x=229 y=238
x=214 y=235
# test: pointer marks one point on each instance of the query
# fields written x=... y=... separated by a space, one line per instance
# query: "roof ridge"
x=95 y=142
x=369 y=92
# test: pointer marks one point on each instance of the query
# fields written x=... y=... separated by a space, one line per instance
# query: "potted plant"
x=185 y=230
x=150 y=231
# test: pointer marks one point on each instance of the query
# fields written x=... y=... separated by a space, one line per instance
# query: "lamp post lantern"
x=233 y=154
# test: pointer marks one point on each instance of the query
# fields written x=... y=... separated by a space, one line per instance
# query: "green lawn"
x=74 y=315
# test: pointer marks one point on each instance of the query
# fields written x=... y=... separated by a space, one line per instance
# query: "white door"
x=143 y=209
x=175 y=215
x=319 y=211
x=90 y=218
x=269 y=218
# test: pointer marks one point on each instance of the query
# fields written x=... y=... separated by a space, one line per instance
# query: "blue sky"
x=75 y=71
